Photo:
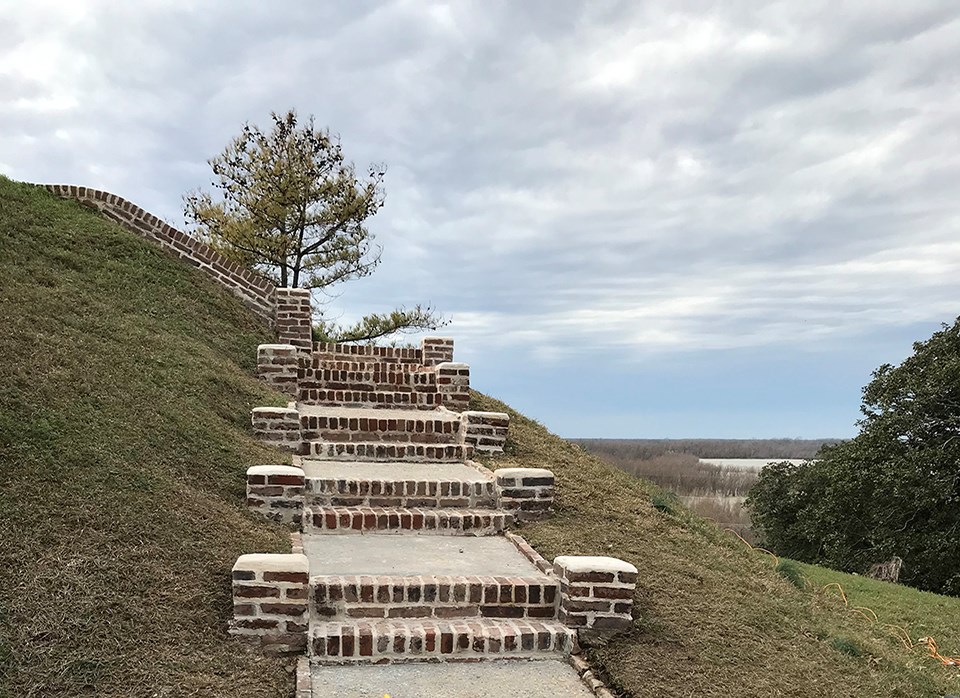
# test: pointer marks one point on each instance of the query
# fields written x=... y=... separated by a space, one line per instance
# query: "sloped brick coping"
x=255 y=291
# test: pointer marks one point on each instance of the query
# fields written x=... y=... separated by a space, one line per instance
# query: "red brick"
x=296 y=577
x=255 y=592
x=283 y=609
x=612 y=592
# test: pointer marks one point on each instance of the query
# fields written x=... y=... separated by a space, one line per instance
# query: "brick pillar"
x=486 y=431
x=277 y=426
x=294 y=319
x=436 y=350
x=453 y=384
x=527 y=493
x=278 y=366
x=596 y=594
x=270 y=594
x=276 y=491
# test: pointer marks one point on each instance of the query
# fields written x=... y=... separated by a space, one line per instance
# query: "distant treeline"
x=644 y=449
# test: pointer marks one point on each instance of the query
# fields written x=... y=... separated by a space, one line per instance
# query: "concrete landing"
x=505 y=679
x=415 y=555
x=399 y=470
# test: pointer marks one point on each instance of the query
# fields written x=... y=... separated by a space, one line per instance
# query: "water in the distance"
x=746 y=463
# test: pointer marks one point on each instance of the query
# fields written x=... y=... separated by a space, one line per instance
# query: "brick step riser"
x=337 y=643
x=369 y=386
x=373 y=399
x=443 y=598
x=335 y=360
x=441 y=522
x=357 y=430
x=372 y=452
x=401 y=493
x=359 y=437
x=367 y=375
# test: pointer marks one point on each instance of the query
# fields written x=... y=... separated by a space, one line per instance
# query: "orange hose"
x=900 y=633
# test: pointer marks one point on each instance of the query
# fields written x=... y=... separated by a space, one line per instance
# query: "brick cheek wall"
x=596 y=594
x=486 y=431
x=255 y=291
x=278 y=366
x=453 y=384
x=277 y=426
x=436 y=350
x=294 y=318
x=276 y=491
x=527 y=493
x=270 y=600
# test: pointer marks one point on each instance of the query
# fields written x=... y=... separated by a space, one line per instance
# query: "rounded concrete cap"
x=284 y=410
x=272 y=562
x=522 y=472
x=588 y=563
x=275 y=470
x=274 y=347
x=452 y=364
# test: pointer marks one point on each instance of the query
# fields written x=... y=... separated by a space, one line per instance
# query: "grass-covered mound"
x=715 y=618
x=125 y=389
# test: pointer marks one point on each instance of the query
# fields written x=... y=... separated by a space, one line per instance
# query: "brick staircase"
x=370 y=434
x=405 y=553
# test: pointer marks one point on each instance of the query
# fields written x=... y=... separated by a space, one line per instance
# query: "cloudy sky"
x=644 y=219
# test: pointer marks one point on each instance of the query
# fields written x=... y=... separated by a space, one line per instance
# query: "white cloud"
x=563 y=177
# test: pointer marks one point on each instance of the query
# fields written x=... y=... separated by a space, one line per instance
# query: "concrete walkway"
x=516 y=679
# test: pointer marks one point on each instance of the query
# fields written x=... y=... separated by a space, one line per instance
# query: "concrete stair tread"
x=416 y=555
x=398 y=484
x=376 y=413
x=318 y=469
x=432 y=639
x=363 y=519
x=552 y=677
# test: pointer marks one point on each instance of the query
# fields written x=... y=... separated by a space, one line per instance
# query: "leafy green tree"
x=290 y=207
x=894 y=489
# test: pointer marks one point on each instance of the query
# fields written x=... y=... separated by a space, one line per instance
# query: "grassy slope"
x=714 y=618
x=123 y=410
x=125 y=387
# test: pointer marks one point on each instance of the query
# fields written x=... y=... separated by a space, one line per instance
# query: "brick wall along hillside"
x=256 y=292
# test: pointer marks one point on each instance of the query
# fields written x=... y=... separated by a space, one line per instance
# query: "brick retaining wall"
x=256 y=292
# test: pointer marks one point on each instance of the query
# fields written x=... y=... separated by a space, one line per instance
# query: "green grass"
x=714 y=618
x=125 y=389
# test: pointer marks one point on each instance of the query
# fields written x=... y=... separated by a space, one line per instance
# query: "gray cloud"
x=652 y=176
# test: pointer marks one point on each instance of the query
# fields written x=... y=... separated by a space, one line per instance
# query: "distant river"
x=747 y=463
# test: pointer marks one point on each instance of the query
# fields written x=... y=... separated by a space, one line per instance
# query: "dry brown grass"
x=125 y=389
x=712 y=617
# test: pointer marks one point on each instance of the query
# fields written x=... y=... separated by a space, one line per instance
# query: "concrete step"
x=552 y=677
x=449 y=522
x=399 y=484
x=384 y=597
x=378 y=451
x=358 y=425
x=420 y=556
x=432 y=640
